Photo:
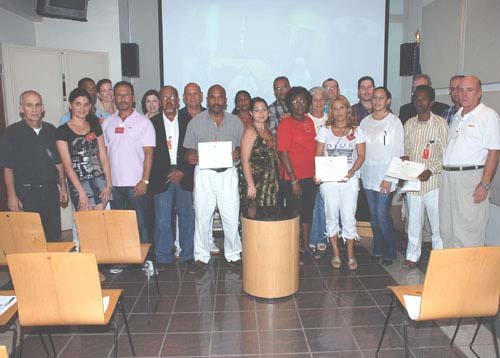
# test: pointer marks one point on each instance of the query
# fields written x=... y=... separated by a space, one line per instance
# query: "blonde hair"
x=351 y=121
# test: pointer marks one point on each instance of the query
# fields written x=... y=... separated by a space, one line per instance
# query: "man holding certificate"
x=425 y=140
x=212 y=142
x=341 y=139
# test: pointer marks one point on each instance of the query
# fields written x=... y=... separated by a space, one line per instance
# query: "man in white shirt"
x=469 y=164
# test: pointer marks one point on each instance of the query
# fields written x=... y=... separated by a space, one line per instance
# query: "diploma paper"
x=412 y=304
x=411 y=185
x=405 y=170
x=214 y=155
x=331 y=168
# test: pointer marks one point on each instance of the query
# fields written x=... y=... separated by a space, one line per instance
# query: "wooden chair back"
x=462 y=282
x=56 y=288
x=112 y=235
x=3 y=352
x=20 y=232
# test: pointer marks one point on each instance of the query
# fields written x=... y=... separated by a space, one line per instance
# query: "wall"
x=15 y=29
x=139 y=24
x=100 y=33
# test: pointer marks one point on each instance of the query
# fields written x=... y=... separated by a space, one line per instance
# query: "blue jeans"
x=384 y=239
x=125 y=199
x=318 y=227
x=164 y=238
x=93 y=187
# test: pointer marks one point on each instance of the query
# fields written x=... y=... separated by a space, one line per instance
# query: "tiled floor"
x=336 y=313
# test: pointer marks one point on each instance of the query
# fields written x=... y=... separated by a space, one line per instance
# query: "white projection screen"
x=243 y=44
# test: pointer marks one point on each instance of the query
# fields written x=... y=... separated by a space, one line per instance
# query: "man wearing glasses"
x=469 y=163
x=449 y=114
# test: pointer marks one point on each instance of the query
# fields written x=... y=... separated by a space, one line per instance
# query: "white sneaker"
x=214 y=250
x=117 y=269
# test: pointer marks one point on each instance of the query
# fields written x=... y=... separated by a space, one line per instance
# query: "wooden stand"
x=270 y=257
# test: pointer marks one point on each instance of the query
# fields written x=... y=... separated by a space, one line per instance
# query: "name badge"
x=119 y=130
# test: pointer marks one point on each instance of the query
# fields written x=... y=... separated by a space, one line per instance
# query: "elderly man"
x=215 y=186
x=426 y=136
x=363 y=108
x=449 y=114
x=130 y=139
x=171 y=181
x=469 y=164
x=33 y=172
x=278 y=109
x=407 y=111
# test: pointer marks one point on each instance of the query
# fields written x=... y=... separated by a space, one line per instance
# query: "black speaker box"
x=130 y=60
x=407 y=59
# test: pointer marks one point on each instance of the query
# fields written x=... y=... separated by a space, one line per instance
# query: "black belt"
x=462 y=168
x=220 y=170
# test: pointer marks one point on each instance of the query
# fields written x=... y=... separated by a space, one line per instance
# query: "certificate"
x=404 y=169
x=411 y=185
x=331 y=168
x=214 y=155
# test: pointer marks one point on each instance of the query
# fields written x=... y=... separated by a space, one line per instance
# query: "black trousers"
x=43 y=199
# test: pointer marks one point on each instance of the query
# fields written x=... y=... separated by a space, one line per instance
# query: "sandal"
x=321 y=246
x=352 y=264
x=336 y=262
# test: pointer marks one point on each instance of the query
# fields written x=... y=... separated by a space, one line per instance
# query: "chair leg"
x=21 y=341
x=45 y=348
x=455 y=333
x=122 y=309
x=405 y=336
x=52 y=344
x=385 y=325
x=115 y=337
x=475 y=332
x=494 y=335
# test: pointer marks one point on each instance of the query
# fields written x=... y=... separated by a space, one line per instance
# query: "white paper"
x=331 y=168
x=411 y=185
x=6 y=302
x=404 y=169
x=412 y=304
x=105 y=303
x=214 y=155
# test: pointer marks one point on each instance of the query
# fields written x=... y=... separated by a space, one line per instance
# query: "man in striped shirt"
x=425 y=140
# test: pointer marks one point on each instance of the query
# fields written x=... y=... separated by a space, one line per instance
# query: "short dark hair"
x=329 y=79
x=78 y=92
x=83 y=80
x=256 y=100
x=124 y=83
x=148 y=93
x=236 y=110
x=294 y=92
x=387 y=92
x=366 y=78
x=102 y=82
x=429 y=90
x=281 y=78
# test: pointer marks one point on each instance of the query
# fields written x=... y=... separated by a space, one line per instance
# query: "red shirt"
x=298 y=139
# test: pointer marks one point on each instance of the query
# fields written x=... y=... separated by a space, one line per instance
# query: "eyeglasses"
x=299 y=101
x=280 y=88
x=331 y=88
x=169 y=98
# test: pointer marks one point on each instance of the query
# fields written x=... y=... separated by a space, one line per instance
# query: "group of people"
x=149 y=162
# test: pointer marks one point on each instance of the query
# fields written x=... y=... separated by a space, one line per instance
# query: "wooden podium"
x=270 y=257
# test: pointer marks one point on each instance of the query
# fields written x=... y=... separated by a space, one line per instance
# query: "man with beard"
x=130 y=140
x=215 y=186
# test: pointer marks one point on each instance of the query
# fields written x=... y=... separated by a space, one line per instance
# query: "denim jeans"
x=125 y=199
x=164 y=238
x=93 y=187
x=318 y=227
x=384 y=239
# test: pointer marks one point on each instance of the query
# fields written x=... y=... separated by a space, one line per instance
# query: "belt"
x=462 y=168
x=220 y=170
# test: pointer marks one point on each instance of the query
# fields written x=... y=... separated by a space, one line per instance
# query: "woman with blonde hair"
x=341 y=137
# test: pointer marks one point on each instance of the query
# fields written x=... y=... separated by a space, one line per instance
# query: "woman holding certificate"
x=259 y=163
x=384 y=141
x=341 y=138
x=296 y=148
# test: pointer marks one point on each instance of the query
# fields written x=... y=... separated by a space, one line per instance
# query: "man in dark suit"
x=171 y=181
x=408 y=111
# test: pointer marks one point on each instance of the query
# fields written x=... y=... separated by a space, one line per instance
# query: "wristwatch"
x=146 y=182
x=485 y=186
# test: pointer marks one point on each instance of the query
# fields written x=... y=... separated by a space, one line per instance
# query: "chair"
x=6 y=319
x=113 y=236
x=62 y=289
x=22 y=232
x=3 y=352
x=459 y=283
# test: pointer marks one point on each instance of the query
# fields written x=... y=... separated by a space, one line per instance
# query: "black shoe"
x=234 y=264
x=198 y=266
x=386 y=262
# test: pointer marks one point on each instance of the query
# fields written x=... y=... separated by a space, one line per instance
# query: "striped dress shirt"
x=425 y=142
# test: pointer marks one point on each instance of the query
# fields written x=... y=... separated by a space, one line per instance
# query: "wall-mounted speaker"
x=130 y=60
x=407 y=59
x=63 y=9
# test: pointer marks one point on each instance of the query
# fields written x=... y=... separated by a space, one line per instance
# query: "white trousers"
x=417 y=205
x=340 y=201
x=213 y=189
